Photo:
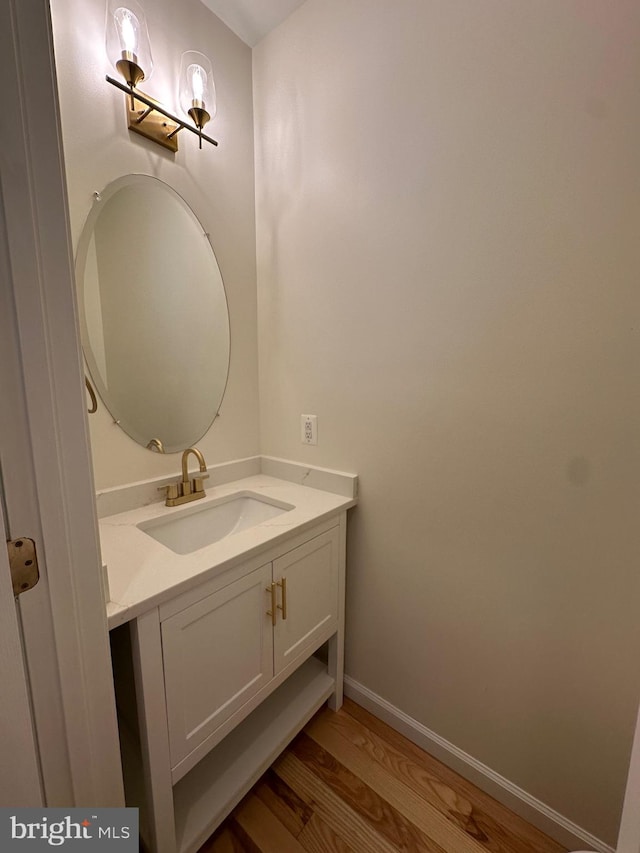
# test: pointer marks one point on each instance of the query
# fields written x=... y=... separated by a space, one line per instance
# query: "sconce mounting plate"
x=154 y=125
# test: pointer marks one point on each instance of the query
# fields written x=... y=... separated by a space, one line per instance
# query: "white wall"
x=218 y=184
x=448 y=252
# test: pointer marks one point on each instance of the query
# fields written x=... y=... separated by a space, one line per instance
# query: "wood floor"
x=349 y=783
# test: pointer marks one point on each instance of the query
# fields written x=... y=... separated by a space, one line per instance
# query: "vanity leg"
x=336 y=643
x=154 y=737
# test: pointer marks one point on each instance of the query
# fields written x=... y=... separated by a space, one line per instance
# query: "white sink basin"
x=198 y=526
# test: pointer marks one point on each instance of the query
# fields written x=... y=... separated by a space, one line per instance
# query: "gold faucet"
x=187 y=490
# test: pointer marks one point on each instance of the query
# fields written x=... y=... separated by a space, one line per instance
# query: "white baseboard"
x=536 y=812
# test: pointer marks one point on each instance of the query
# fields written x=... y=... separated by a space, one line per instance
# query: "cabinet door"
x=217 y=654
x=311 y=576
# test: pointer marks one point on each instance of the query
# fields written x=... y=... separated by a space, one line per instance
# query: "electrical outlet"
x=309 y=429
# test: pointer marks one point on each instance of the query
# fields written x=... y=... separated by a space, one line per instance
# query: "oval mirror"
x=153 y=313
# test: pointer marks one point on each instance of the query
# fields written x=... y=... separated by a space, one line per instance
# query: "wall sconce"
x=197 y=89
x=129 y=50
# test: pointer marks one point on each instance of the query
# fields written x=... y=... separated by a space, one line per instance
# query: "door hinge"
x=23 y=562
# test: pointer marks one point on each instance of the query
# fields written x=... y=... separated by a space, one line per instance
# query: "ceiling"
x=252 y=19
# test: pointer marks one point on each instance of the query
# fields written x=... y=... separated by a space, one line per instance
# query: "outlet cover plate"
x=309 y=429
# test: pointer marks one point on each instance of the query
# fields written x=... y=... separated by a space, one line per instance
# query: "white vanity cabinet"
x=221 y=651
x=222 y=681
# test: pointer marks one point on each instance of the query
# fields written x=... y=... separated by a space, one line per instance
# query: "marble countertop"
x=142 y=573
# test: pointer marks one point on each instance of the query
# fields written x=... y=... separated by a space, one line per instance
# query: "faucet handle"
x=170 y=490
x=197 y=483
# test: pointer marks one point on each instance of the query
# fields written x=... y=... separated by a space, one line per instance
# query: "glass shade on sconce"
x=197 y=89
x=127 y=41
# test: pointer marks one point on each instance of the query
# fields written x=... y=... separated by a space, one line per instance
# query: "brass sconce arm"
x=162 y=136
